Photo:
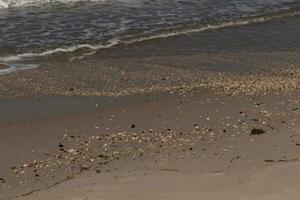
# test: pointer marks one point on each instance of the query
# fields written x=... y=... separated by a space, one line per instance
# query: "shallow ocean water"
x=42 y=29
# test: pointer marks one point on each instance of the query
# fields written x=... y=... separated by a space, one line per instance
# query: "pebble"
x=94 y=152
x=256 y=131
x=2 y=180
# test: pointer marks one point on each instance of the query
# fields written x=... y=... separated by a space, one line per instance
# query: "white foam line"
x=18 y=67
x=23 y=3
x=208 y=27
x=176 y=33
x=3 y=5
x=57 y=50
x=114 y=42
x=7 y=71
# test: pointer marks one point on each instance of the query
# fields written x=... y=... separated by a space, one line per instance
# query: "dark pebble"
x=256 y=131
x=2 y=180
x=270 y=160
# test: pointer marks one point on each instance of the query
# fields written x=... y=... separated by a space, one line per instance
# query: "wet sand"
x=246 y=59
x=195 y=136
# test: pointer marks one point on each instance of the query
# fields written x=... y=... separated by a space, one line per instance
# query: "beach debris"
x=28 y=165
x=78 y=152
x=256 y=131
x=282 y=160
x=61 y=146
x=2 y=180
x=170 y=170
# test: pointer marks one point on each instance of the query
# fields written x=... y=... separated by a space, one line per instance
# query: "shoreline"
x=246 y=59
x=254 y=19
x=195 y=109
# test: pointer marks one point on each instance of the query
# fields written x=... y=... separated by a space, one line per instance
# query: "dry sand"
x=278 y=182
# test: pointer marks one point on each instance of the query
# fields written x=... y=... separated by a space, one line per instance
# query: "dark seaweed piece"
x=256 y=131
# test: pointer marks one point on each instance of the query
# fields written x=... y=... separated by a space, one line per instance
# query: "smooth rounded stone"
x=71 y=150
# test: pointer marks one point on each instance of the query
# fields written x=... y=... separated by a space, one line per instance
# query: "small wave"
x=18 y=57
x=17 y=3
x=238 y=22
x=162 y=34
x=3 y=4
x=17 y=67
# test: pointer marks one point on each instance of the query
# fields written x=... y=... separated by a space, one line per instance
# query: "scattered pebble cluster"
x=76 y=153
x=156 y=75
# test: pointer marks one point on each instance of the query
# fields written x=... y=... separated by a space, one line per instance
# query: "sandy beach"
x=198 y=143
x=155 y=121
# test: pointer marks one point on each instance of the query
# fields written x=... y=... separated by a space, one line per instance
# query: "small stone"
x=2 y=180
x=132 y=126
x=256 y=131
x=71 y=150
x=84 y=168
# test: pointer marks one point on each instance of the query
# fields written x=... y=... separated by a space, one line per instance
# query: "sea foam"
x=170 y=33
x=16 y=3
x=3 y=4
